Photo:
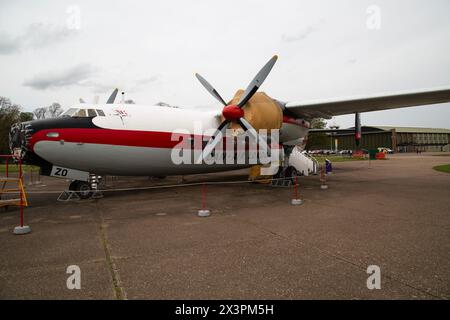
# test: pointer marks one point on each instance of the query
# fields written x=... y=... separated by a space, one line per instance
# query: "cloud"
x=76 y=75
x=36 y=35
x=8 y=45
x=102 y=86
x=147 y=80
x=298 y=36
x=302 y=34
x=144 y=81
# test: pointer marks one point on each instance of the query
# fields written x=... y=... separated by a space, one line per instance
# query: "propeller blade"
x=249 y=128
x=112 y=97
x=257 y=82
x=210 y=89
x=216 y=138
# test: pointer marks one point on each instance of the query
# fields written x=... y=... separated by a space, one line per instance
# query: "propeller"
x=234 y=113
x=112 y=97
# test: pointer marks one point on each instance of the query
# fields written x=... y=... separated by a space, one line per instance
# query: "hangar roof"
x=374 y=129
x=412 y=129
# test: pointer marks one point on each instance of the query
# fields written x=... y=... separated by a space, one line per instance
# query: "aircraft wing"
x=331 y=130
x=335 y=107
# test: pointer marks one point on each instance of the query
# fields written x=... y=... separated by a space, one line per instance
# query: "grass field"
x=15 y=168
x=336 y=158
x=443 y=168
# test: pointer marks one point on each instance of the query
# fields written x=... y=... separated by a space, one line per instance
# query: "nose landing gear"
x=87 y=189
x=82 y=189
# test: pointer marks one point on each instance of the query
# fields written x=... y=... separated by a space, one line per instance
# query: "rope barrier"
x=182 y=185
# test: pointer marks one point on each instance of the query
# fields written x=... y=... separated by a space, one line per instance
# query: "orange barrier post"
x=296 y=200
x=203 y=212
x=323 y=182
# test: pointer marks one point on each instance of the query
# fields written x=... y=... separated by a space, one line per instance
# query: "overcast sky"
x=59 y=51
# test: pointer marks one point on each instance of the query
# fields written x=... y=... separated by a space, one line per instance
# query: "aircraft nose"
x=19 y=136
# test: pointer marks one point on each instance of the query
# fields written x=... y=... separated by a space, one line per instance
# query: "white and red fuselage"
x=126 y=139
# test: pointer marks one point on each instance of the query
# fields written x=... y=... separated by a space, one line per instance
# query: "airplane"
x=91 y=140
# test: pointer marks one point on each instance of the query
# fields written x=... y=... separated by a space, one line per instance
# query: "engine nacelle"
x=261 y=111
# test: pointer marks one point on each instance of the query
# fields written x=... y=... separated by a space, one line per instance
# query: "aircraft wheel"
x=82 y=188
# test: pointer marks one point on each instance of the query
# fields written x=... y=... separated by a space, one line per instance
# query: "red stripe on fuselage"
x=296 y=122
x=132 y=138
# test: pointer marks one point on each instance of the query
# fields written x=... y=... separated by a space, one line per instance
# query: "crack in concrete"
x=117 y=287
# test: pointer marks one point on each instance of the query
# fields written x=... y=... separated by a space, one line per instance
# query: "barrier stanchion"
x=39 y=177
x=21 y=229
x=323 y=182
x=296 y=200
x=30 y=174
x=203 y=212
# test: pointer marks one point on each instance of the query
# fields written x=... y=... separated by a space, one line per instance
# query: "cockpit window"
x=69 y=112
x=80 y=113
x=83 y=113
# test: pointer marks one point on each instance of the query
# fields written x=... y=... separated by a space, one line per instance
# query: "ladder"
x=283 y=178
x=5 y=189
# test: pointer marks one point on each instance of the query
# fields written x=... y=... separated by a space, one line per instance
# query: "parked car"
x=345 y=152
x=385 y=150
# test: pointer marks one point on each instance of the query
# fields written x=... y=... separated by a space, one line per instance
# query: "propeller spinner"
x=234 y=113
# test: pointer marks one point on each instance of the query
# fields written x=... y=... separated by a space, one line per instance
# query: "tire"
x=73 y=185
x=82 y=188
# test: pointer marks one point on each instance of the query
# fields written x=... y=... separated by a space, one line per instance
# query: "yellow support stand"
x=22 y=200
x=20 y=190
x=255 y=175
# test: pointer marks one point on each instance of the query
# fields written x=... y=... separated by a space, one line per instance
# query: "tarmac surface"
x=150 y=244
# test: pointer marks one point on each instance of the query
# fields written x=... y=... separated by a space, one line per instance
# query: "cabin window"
x=91 y=113
x=100 y=112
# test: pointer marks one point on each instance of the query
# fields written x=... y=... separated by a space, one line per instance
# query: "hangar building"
x=399 y=139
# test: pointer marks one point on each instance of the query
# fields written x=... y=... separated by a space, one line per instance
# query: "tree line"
x=11 y=113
